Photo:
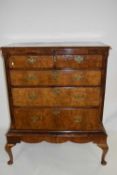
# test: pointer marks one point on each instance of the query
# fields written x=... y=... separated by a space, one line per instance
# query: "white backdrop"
x=61 y=20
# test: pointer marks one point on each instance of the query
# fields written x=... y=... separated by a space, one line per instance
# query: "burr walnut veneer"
x=56 y=93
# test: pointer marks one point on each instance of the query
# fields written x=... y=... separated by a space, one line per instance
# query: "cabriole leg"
x=104 y=148
x=8 y=148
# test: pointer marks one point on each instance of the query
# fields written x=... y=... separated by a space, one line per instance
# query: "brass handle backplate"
x=56 y=112
x=79 y=58
x=77 y=119
x=36 y=118
x=78 y=96
x=32 y=96
x=31 y=77
x=32 y=59
x=56 y=91
x=78 y=77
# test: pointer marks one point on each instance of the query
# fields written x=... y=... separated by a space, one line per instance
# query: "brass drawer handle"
x=77 y=119
x=56 y=91
x=32 y=59
x=56 y=112
x=78 y=77
x=78 y=96
x=31 y=77
x=32 y=96
x=79 y=58
x=36 y=118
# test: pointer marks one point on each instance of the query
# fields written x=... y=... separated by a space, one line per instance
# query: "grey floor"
x=58 y=159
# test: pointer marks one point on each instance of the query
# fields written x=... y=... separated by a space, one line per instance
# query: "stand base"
x=15 y=136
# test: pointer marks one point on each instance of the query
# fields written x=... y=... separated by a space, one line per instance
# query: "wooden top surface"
x=58 y=44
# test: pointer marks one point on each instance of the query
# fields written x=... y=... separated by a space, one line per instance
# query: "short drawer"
x=78 y=61
x=64 y=96
x=57 y=119
x=28 y=61
x=55 y=78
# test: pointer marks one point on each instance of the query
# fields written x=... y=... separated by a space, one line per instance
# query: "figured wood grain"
x=61 y=61
x=57 y=119
x=56 y=96
x=58 y=50
x=38 y=61
x=55 y=77
x=98 y=137
x=89 y=61
x=73 y=113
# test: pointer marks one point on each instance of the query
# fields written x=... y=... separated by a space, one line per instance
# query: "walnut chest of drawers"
x=56 y=93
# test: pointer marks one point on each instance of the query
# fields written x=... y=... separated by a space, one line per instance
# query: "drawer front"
x=56 y=96
x=20 y=61
x=57 y=119
x=62 y=78
x=78 y=61
x=59 y=61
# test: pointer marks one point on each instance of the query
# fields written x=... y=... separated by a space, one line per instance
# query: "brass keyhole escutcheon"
x=54 y=58
x=55 y=75
x=79 y=58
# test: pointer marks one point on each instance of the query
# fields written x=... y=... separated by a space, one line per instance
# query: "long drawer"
x=57 y=119
x=58 y=61
x=64 y=96
x=55 y=77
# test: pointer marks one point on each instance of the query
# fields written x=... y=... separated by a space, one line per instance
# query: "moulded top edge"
x=58 y=44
